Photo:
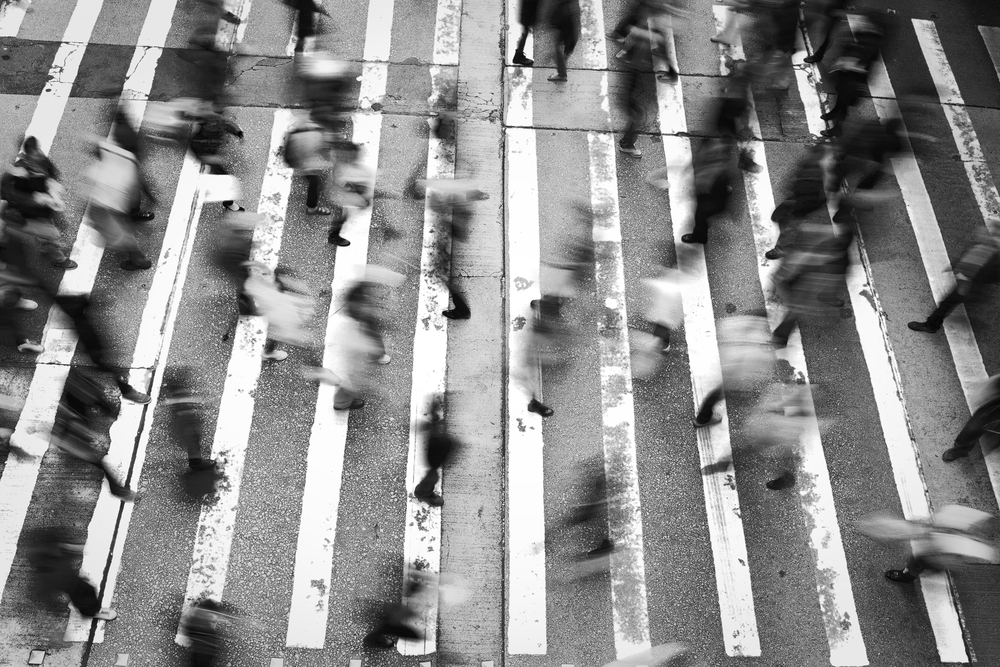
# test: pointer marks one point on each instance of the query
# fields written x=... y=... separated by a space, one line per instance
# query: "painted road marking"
x=627 y=565
x=217 y=522
x=11 y=16
x=991 y=37
x=312 y=582
x=722 y=502
x=976 y=169
x=526 y=593
x=870 y=321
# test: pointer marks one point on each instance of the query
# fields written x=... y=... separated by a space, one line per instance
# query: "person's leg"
x=334 y=237
x=706 y=412
x=633 y=109
x=784 y=329
x=948 y=304
x=519 y=57
x=425 y=489
x=560 y=58
x=118 y=489
x=305 y=27
x=699 y=233
x=662 y=334
x=312 y=191
x=460 y=311
x=83 y=595
x=972 y=431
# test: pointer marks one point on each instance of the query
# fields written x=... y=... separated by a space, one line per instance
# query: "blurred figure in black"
x=398 y=621
x=309 y=150
x=232 y=252
x=807 y=193
x=54 y=565
x=201 y=627
x=978 y=266
x=362 y=306
x=126 y=135
x=186 y=410
x=712 y=178
x=985 y=420
x=210 y=131
x=779 y=33
x=873 y=144
x=527 y=18
x=849 y=73
x=211 y=65
x=75 y=306
x=440 y=447
x=565 y=18
x=73 y=430
x=733 y=113
x=12 y=304
x=637 y=55
x=829 y=15
x=593 y=506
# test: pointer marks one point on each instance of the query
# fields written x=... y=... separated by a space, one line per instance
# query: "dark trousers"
x=565 y=43
x=426 y=486
x=948 y=304
x=522 y=41
x=708 y=404
x=312 y=190
x=461 y=306
x=662 y=333
x=706 y=205
x=75 y=307
x=632 y=107
x=305 y=25
x=83 y=595
x=979 y=424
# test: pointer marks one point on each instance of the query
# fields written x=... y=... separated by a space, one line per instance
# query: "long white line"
x=976 y=169
x=59 y=336
x=722 y=501
x=627 y=567
x=870 y=321
x=312 y=582
x=526 y=585
x=422 y=533
x=11 y=17
x=991 y=37
x=214 y=539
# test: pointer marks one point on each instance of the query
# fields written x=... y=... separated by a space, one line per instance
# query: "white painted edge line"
x=983 y=187
x=958 y=330
x=526 y=576
x=887 y=387
x=217 y=522
x=591 y=51
x=722 y=502
x=966 y=141
x=11 y=17
x=628 y=570
x=313 y=574
x=422 y=534
x=991 y=37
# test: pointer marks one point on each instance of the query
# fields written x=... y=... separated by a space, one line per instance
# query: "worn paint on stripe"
x=966 y=141
x=11 y=17
x=628 y=569
x=722 y=502
x=591 y=51
x=447 y=32
x=935 y=587
x=991 y=37
x=727 y=54
x=810 y=85
x=214 y=537
x=312 y=581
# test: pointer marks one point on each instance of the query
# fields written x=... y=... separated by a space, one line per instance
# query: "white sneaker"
x=383 y=360
x=30 y=346
x=106 y=614
x=26 y=304
x=275 y=355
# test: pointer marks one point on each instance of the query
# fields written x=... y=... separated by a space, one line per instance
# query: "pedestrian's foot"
x=106 y=614
x=201 y=464
x=604 y=549
x=134 y=395
x=126 y=495
x=665 y=349
x=831 y=133
x=813 y=59
x=318 y=210
x=523 y=60
x=143 y=216
x=356 y=404
x=616 y=37
x=337 y=240
x=926 y=327
x=229 y=17
x=540 y=408
x=434 y=500
x=383 y=360
x=786 y=481
x=456 y=314
x=952 y=454
x=382 y=641
x=560 y=78
x=26 y=304
x=834 y=301
x=274 y=355
x=714 y=419
x=751 y=167
x=629 y=150
x=140 y=265
x=66 y=264
x=232 y=206
x=655 y=179
x=829 y=115
x=778 y=342
x=774 y=253
x=900 y=576
x=670 y=76
x=30 y=347
x=719 y=40
x=691 y=238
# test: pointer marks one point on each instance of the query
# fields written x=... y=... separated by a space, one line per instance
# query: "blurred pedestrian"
x=565 y=18
x=232 y=253
x=201 y=626
x=527 y=18
x=593 y=504
x=126 y=135
x=712 y=178
x=361 y=305
x=440 y=447
x=829 y=16
x=399 y=619
x=732 y=23
x=210 y=131
x=308 y=150
x=775 y=427
x=211 y=65
x=732 y=118
x=637 y=55
x=54 y=566
x=808 y=192
x=12 y=304
x=747 y=362
x=849 y=73
x=664 y=310
x=977 y=267
x=185 y=405
x=984 y=423
x=286 y=303
x=114 y=196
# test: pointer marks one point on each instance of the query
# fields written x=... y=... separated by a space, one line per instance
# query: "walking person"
x=984 y=423
x=829 y=16
x=308 y=150
x=775 y=427
x=114 y=196
x=201 y=627
x=12 y=304
x=712 y=178
x=664 y=310
x=57 y=575
x=306 y=32
x=978 y=266
x=527 y=18
x=210 y=131
x=849 y=74
x=808 y=193
x=637 y=55
x=565 y=18
x=126 y=135
x=439 y=449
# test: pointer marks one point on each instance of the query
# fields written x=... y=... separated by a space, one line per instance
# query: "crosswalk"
x=315 y=522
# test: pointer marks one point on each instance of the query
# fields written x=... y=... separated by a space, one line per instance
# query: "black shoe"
x=338 y=240
x=456 y=314
x=434 y=500
x=132 y=394
x=774 y=253
x=540 y=408
x=229 y=17
x=813 y=59
x=143 y=216
x=952 y=454
x=66 y=264
x=140 y=265
x=926 y=327
x=778 y=342
x=606 y=548
x=356 y=404
x=670 y=76
x=714 y=419
x=900 y=576
x=827 y=116
x=201 y=464
x=232 y=207
x=786 y=481
x=522 y=60
x=691 y=238
x=831 y=133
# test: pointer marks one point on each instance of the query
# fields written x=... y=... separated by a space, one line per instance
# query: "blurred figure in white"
x=286 y=303
x=114 y=196
x=773 y=430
